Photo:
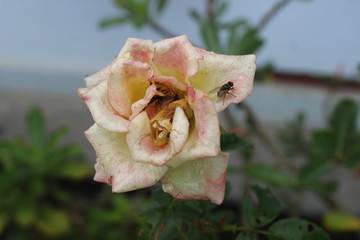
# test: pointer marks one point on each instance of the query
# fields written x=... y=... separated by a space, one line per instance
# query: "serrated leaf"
x=231 y=141
x=339 y=221
x=297 y=229
x=267 y=211
x=269 y=175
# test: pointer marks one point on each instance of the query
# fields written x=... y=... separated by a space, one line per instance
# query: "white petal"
x=115 y=165
x=201 y=179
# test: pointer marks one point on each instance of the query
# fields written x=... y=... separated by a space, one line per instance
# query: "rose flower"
x=155 y=111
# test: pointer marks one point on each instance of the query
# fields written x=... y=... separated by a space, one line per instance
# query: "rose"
x=155 y=111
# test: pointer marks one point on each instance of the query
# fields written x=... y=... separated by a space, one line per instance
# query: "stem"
x=271 y=14
x=160 y=29
x=210 y=9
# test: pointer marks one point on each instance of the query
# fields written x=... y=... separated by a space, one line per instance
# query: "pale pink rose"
x=155 y=111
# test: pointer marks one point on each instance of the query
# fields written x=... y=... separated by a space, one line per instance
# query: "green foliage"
x=297 y=229
x=114 y=220
x=231 y=141
x=340 y=142
x=31 y=175
x=269 y=174
x=169 y=218
x=267 y=210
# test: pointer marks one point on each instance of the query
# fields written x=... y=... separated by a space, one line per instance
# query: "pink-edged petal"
x=139 y=50
x=169 y=81
x=103 y=113
x=142 y=103
x=215 y=70
x=143 y=148
x=176 y=57
x=204 y=134
x=98 y=77
x=202 y=179
x=115 y=165
x=127 y=84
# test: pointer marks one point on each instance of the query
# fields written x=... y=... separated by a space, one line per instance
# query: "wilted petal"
x=204 y=133
x=215 y=70
x=115 y=165
x=176 y=57
x=103 y=113
x=169 y=81
x=142 y=146
x=201 y=179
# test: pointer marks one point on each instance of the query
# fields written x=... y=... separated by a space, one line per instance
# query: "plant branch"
x=160 y=29
x=271 y=14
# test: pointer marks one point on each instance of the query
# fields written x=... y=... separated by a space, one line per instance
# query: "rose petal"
x=140 y=50
x=215 y=70
x=203 y=140
x=142 y=103
x=98 y=77
x=201 y=179
x=142 y=147
x=176 y=57
x=115 y=165
x=169 y=81
x=101 y=110
x=129 y=73
x=127 y=84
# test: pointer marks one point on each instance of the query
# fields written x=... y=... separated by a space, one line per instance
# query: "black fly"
x=223 y=90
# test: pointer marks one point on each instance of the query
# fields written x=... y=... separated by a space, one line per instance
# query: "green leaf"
x=249 y=43
x=52 y=222
x=314 y=170
x=267 y=211
x=269 y=174
x=36 y=126
x=343 y=122
x=112 y=21
x=210 y=35
x=325 y=188
x=297 y=229
x=74 y=170
x=341 y=221
x=231 y=141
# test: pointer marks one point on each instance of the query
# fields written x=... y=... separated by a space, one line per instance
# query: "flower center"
x=161 y=110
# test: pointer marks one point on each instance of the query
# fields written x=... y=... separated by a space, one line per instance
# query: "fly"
x=223 y=90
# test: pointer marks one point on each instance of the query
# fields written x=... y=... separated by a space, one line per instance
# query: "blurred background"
x=308 y=63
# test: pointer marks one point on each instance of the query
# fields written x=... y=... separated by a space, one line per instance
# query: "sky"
x=319 y=36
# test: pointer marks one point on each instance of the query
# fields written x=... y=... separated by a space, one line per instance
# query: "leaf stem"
x=271 y=14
